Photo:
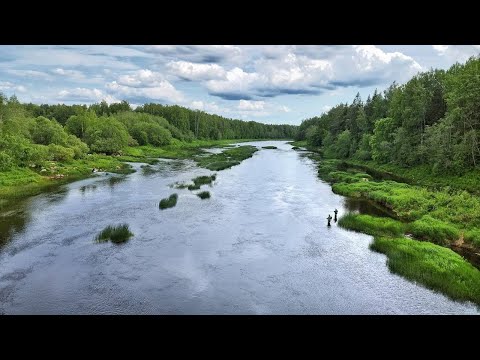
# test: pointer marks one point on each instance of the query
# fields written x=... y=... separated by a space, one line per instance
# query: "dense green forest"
x=432 y=120
x=32 y=134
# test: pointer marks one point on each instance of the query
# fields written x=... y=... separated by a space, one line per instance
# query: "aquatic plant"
x=169 y=202
x=116 y=234
x=204 y=195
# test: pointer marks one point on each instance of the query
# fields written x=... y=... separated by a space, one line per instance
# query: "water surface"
x=259 y=245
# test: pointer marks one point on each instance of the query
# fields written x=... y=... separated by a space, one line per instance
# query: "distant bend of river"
x=259 y=245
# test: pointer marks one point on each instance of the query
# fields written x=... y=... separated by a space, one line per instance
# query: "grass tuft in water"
x=204 y=195
x=295 y=148
x=115 y=233
x=169 y=202
x=269 y=147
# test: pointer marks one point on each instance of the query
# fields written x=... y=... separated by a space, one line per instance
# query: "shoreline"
x=24 y=183
x=408 y=239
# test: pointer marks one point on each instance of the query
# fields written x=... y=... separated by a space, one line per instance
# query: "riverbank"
x=424 y=211
x=20 y=183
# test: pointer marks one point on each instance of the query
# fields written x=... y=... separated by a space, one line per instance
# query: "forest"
x=433 y=120
x=31 y=134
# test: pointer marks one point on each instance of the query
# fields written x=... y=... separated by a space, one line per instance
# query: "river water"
x=259 y=245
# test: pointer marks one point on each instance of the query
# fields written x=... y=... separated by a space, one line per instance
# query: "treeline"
x=31 y=134
x=433 y=119
x=193 y=123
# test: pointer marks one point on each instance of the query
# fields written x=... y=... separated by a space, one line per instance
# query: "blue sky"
x=266 y=83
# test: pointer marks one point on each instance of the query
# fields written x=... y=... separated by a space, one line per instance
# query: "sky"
x=275 y=84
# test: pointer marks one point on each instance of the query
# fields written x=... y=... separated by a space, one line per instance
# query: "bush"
x=6 y=161
x=60 y=153
x=80 y=149
x=45 y=132
x=106 y=135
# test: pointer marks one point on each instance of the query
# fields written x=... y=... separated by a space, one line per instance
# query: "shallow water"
x=259 y=245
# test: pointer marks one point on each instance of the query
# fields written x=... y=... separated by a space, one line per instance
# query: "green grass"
x=269 y=147
x=423 y=175
x=437 y=215
x=176 y=150
x=116 y=234
x=372 y=225
x=169 y=202
x=473 y=236
x=227 y=158
x=20 y=183
x=433 y=266
x=301 y=143
x=204 y=195
x=24 y=182
x=430 y=229
x=204 y=180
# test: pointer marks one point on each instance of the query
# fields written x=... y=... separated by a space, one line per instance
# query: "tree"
x=106 y=135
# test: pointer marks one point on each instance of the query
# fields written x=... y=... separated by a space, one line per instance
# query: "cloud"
x=193 y=71
x=144 y=86
x=31 y=74
x=84 y=95
x=63 y=57
x=251 y=105
x=74 y=74
x=457 y=53
x=198 y=53
x=301 y=71
x=211 y=107
x=141 y=78
x=6 y=85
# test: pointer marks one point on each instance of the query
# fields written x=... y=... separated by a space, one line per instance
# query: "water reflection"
x=260 y=244
x=364 y=206
x=87 y=188
x=13 y=219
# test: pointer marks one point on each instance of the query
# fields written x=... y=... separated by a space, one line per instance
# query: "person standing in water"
x=329 y=218
x=336 y=212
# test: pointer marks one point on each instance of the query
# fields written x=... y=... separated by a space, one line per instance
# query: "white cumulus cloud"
x=85 y=95
x=6 y=85
x=457 y=53
x=194 y=71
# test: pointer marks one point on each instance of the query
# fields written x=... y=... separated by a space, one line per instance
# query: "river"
x=259 y=245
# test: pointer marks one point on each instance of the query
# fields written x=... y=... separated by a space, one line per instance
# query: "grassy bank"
x=23 y=182
x=433 y=217
x=433 y=266
x=423 y=176
x=441 y=215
